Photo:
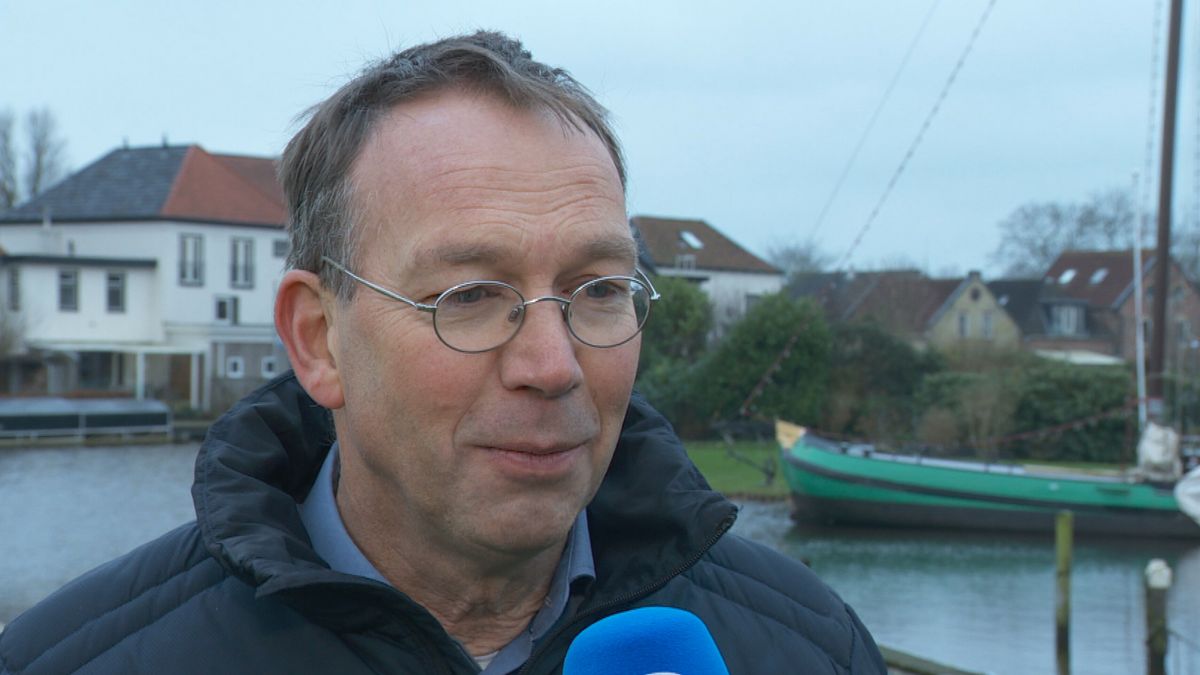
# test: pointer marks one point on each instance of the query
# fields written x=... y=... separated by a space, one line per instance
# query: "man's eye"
x=604 y=290
x=467 y=296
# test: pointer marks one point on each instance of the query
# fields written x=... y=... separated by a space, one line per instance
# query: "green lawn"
x=734 y=478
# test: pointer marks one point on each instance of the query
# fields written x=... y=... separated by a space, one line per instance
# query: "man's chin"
x=530 y=532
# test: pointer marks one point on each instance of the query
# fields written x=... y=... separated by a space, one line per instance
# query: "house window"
x=685 y=261
x=241 y=268
x=268 y=367
x=691 y=239
x=115 y=287
x=235 y=367
x=1066 y=320
x=226 y=310
x=279 y=248
x=987 y=324
x=191 y=260
x=964 y=325
x=14 y=289
x=68 y=290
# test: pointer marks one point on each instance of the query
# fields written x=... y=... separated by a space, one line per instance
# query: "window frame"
x=232 y=372
x=241 y=262
x=1064 y=316
x=14 y=289
x=63 y=274
x=191 y=267
x=231 y=310
x=123 y=280
x=271 y=371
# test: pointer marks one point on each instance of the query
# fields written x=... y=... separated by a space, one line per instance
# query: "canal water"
x=981 y=602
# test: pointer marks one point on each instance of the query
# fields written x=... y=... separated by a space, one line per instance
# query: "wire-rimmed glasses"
x=479 y=316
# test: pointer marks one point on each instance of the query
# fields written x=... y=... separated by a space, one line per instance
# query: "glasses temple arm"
x=376 y=287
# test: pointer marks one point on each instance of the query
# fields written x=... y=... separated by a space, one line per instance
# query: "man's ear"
x=305 y=326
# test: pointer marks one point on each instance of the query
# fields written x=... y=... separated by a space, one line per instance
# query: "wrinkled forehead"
x=468 y=176
x=453 y=129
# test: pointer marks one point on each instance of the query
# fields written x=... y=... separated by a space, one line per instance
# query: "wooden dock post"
x=1064 y=526
x=1158 y=581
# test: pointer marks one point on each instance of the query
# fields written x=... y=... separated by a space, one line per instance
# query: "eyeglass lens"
x=603 y=313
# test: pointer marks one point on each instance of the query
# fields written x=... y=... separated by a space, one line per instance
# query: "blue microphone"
x=645 y=641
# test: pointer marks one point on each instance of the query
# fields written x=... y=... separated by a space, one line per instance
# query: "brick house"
x=941 y=313
x=1087 y=302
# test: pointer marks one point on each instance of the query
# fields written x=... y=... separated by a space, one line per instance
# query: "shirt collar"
x=332 y=542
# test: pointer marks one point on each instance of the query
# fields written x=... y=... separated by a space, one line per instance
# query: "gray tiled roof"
x=125 y=183
x=1022 y=299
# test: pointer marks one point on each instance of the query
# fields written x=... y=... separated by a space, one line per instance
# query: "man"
x=465 y=302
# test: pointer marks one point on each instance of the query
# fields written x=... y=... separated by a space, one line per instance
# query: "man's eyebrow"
x=621 y=249
x=465 y=253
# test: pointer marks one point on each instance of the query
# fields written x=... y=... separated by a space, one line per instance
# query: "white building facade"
x=178 y=309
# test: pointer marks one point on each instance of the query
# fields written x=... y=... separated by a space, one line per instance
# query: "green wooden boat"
x=837 y=483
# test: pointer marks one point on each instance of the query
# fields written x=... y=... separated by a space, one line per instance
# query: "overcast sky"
x=744 y=117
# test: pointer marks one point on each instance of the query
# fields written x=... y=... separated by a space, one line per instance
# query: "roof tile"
x=163 y=182
x=667 y=237
x=208 y=188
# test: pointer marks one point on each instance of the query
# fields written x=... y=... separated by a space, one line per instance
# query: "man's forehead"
x=607 y=246
x=450 y=130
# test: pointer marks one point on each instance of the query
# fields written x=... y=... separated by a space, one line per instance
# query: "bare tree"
x=44 y=156
x=797 y=258
x=8 y=162
x=1037 y=233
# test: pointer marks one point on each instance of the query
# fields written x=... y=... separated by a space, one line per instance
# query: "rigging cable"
x=746 y=408
x=912 y=148
x=862 y=139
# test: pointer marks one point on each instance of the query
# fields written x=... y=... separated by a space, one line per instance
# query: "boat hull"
x=834 y=487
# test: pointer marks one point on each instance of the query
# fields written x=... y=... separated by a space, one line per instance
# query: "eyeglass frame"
x=564 y=303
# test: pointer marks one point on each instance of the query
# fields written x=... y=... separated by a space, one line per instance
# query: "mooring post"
x=1064 y=526
x=1158 y=581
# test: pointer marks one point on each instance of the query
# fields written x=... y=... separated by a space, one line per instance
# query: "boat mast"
x=1162 y=258
x=1139 y=315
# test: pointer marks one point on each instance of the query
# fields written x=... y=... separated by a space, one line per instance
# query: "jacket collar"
x=653 y=515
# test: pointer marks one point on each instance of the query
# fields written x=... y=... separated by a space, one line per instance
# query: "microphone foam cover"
x=645 y=641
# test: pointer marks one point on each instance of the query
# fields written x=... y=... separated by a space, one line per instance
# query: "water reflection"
x=982 y=602
x=986 y=602
x=65 y=510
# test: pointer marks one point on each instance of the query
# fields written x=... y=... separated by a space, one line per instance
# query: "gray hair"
x=315 y=168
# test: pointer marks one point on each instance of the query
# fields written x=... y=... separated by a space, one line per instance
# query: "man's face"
x=493 y=452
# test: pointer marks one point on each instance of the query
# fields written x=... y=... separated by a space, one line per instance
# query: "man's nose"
x=541 y=356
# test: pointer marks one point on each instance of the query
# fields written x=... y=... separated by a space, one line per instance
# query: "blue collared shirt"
x=320 y=516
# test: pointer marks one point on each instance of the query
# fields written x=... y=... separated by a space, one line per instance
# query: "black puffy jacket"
x=241 y=590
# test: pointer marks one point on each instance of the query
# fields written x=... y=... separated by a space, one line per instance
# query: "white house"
x=732 y=277
x=150 y=272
